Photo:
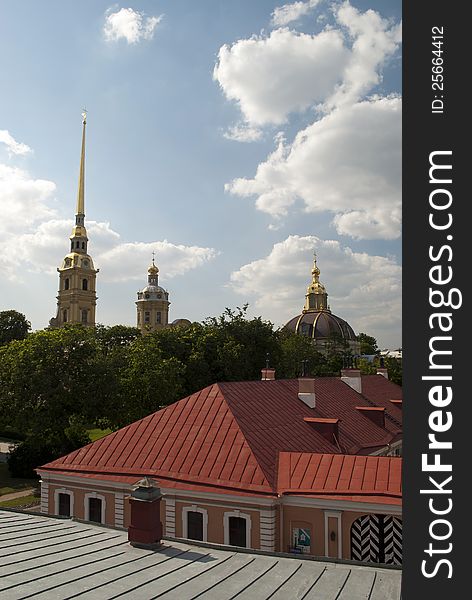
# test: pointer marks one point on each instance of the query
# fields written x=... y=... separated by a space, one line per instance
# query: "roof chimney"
x=397 y=403
x=145 y=529
x=382 y=371
x=268 y=374
x=375 y=413
x=353 y=378
x=328 y=428
x=306 y=391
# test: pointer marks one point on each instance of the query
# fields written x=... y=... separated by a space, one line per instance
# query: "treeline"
x=56 y=384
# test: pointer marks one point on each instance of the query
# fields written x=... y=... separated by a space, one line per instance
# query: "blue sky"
x=232 y=138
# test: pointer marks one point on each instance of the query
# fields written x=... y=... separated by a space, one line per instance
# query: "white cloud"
x=287 y=13
x=363 y=289
x=13 y=147
x=373 y=41
x=24 y=199
x=348 y=163
x=270 y=77
x=34 y=238
x=131 y=25
x=243 y=133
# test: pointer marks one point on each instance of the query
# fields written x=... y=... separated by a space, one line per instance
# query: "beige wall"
x=304 y=517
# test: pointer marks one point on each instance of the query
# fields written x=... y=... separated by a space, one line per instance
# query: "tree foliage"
x=368 y=344
x=57 y=383
x=13 y=326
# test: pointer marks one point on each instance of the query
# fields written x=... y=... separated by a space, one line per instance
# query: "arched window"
x=83 y=245
x=195 y=523
x=85 y=284
x=237 y=529
x=77 y=244
x=64 y=316
x=94 y=507
x=63 y=502
x=66 y=284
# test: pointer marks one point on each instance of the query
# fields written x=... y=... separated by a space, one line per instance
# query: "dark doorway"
x=95 y=510
x=64 y=505
x=237 y=532
x=195 y=525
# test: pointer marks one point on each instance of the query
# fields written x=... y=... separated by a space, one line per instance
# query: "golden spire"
x=80 y=192
x=315 y=271
x=153 y=269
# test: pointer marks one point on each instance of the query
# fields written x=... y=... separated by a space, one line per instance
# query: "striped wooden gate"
x=377 y=539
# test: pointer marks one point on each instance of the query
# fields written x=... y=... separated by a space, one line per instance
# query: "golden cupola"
x=318 y=322
x=316 y=297
x=153 y=303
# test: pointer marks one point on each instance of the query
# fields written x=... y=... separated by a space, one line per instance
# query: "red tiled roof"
x=229 y=435
x=310 y=474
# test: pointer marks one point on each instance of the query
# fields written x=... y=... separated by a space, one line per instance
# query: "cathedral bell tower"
x=77 y=299
x=153 y=303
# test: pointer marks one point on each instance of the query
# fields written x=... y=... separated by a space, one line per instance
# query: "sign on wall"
x=301 y=538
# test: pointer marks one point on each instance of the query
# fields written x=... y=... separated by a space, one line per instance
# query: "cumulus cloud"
x=270 y=77
x=243 y=133
x=374 y=40
x=34 y=238
x=363 y=289
x=24 y=199
x=41 y=250
x=287 y=13
x=348 y=163
x=130 y=25
x=13 y=147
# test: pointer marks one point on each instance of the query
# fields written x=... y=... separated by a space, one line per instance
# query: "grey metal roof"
x=47 y=558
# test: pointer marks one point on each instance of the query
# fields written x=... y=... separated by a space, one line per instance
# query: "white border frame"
x=194 y=508
x=69 y=493
x=87 y=506
x=334 y=514
x=236 y=513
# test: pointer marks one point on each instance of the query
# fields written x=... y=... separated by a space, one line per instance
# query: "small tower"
x=316 y=297
x=77 y=299
x=153 y=303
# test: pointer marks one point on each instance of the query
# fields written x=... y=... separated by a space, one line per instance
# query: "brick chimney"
x=268 y=374
x=353 y=379
x=306 y=391
x=145 y=529
x=374 y=413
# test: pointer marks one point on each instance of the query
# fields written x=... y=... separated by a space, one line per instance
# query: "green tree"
x=13 y=326
x=368 y=344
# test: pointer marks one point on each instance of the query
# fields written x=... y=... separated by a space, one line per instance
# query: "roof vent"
x=353 y=379
x=328 y=428
x=306 y=391
x=375 y=413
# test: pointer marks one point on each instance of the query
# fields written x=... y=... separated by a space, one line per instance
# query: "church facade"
x=77 y=297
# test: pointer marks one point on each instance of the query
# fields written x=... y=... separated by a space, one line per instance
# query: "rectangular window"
x=195 y=525
x=95 y=510
x=237 y=532
x=84 y=316
x=158 y=317
x=64 y=505
x=147 y=316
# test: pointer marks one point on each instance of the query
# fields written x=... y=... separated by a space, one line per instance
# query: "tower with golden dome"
x=77 y=298
x=153 y=303
x=318 y=322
